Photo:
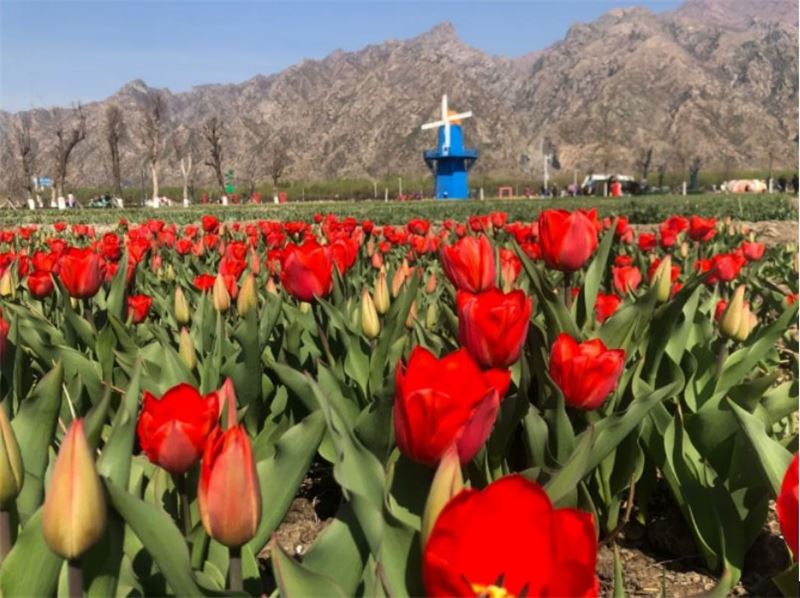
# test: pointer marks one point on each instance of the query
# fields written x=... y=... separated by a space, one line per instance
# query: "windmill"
x=450 y=161
x=447 y=120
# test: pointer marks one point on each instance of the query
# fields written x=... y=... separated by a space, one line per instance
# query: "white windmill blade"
x=461 y=116
x=432 y=125
x=444 y=107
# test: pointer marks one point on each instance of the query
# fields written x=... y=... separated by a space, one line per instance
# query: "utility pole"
x=399 y=185
x=546 y=173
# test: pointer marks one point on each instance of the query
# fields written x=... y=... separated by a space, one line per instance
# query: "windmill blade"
x=461 y=116
x=444 y=107
x=432 y=125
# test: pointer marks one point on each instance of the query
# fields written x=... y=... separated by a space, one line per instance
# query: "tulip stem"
x=186 y=514
x=75 y=579
x=235 y=570
x=722 y=355
x=568 y=289
x=323 y=338
x=5 y=535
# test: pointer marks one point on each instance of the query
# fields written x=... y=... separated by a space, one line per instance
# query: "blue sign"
x=44 y=181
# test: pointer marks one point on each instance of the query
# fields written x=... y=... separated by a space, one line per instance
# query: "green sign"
x=229 y=188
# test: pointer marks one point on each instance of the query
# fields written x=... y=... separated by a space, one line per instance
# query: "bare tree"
x=67 y=137
x=279 y=160
x=661 y=170
x=185 y=147
x=212 y=132
x=26 y=152
x=154 y=125
x=114 y=132
x=694 y=172
x=643 y=163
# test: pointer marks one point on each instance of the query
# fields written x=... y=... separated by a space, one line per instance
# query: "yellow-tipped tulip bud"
x=7 y=284
x=169 y=272
x=12 y=473
x=684 y=251
x=430 y=286
x=412 y=316
x=398 y=280
x=737 y=321
x=75 y=507
x=662 y=279
x=220 y=295
x=432 y=315
x=247 y=298
x=186 y=349
x=370 y=324
x=305 y=307
x=447 y=482
x=731 y=230
x=182 y=313
x=381 y=294
x=272 y=289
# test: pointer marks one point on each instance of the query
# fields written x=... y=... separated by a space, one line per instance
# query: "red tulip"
x=726 y=267
x=508 y=540
x=702 y=229
x=173 y=429
x=210 y=223
x=568 y=239
x=753 y=251
x=647 y=241
x=585 y=372
x=139 y=307
x=81 y=272
x=204 y=282
x=40 y=284
x=439 y=402
x=229 y=495
x=493 y=325
x=307 y=270
x=626 y=278
x=674 y=271
x=623 y=260
x=787 y=506
x=469 y=263
x=605 y=306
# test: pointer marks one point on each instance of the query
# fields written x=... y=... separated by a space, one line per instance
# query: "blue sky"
x=66 y=51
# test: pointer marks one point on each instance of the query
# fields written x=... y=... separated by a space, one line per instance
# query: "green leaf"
x=594 y=277
x=30 y=569
x=280 y=475
x=573 y=471
x=162 y=540
x=115 y=460
x=773 y=458
x=295 y=579
x=34 y=426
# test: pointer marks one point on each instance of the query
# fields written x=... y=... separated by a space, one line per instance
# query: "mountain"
x=714 y=79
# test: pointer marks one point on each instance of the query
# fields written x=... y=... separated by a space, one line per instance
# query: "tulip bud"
x=662 y=279
x=370 y=324
x=412 y=316
x=305 y=307
x=229 y=495
x=7 y=284
x=271 y=288
x=74 y=303
x=380 y=295
x=377 y=261
x=731 y=230
x=186 y=349
x=182 y=314
x=737 y=321
x=447 y=482
x=12 y=473
x=432 y=315
x=169 y=272
x=370 y=247
x=684 y=249
x=247 y=298
x=430 y=286
x=74 y=516
x=222 y=300
x=398 y=280
x=255 y=262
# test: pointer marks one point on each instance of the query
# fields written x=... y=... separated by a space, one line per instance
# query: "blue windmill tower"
x=450 y=161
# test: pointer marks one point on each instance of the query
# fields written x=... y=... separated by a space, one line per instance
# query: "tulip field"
x=476 y=404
